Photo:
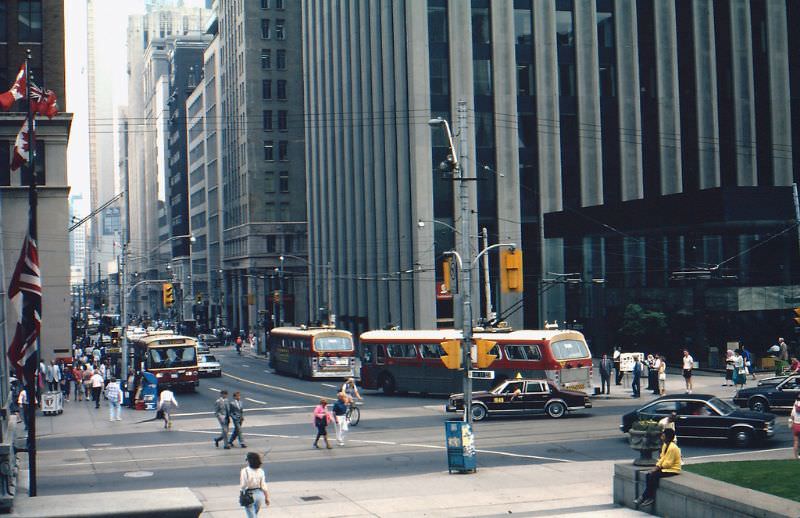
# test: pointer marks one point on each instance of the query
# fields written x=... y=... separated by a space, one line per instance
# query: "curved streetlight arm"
x=512 y=246
x=457 y=256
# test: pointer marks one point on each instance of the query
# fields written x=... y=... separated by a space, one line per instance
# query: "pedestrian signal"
x=452 y=356
x=511 y=271
x=168 y=294
x=482 y=358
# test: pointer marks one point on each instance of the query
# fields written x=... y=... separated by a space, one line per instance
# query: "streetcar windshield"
x=569 y=350
x=333 y=343
x=177 y=356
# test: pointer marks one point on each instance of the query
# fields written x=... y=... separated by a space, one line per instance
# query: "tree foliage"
x=639 y=325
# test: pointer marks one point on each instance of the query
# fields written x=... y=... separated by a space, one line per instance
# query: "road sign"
x=481 y=375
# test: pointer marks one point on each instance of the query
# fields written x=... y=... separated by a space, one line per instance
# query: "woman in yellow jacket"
x=668 y=465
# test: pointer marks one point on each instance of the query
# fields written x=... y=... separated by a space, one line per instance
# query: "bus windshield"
x=569 y=350
x=333 y=343
x=176 y=356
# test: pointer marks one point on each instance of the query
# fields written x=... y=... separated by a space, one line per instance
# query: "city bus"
x=312 y=352
x=409 y=361
x=171 y=358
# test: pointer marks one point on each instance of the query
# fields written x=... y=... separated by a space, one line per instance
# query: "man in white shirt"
x=166 y=402
x=688 y=365
x=97 y=387
x=114 y=396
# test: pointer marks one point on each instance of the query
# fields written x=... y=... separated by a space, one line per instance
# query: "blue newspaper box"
x=460 y=447
x=149 y=391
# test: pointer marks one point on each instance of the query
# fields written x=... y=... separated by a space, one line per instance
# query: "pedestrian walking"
x=617 y=356
x=322 y=417
x=222 y=413
x=739 y=370
x=67 y=383
x=668 y=465
x=166 y=402
x=606 y=366
x=130 y=387
x=253 y=483
x=688 y=366
x=87 y=381
x=728 y=368
x=51 y=376
x=22 y=403
x=748 y=362
x=340 y=417
x=637 y=376
x=662 y=375
x=77 y=380
x=97 y=386
x=114 y=396
x=794 y=424
x=236 y=412
x=784 y=350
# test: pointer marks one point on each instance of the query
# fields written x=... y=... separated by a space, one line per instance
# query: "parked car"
x=208 y=365
x=521 y=396
x=778 y=393
x=208 y=339
x=703 y=416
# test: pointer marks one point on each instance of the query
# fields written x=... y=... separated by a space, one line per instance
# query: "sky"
x=111 y=24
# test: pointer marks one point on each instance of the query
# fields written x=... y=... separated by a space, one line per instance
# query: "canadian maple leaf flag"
x=43 y=102
x=17 y=91
x=22 y=148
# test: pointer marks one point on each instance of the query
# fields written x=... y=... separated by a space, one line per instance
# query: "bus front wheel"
x=387 y=384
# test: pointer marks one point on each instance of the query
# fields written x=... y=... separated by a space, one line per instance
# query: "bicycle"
x=353 y=414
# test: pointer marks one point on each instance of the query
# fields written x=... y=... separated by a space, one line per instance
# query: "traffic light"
x=168 y=294
x=511 y=270
x=446 y=275
x=482 y=357
x=452 y=358
x=199 y=298
x=797 y=316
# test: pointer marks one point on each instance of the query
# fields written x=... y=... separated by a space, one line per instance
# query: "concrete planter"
x=646 y=442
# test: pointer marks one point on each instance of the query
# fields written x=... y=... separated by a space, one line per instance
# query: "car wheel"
x=556 y=409
x=479 y=412
x=387 y=384
x=742 y=437
x=759 y=405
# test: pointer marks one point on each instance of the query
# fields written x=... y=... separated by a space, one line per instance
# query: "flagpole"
x=33 y=201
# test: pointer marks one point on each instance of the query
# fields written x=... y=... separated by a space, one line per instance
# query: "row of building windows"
x=277 y=4
x=283 y=181
x=266 y=59
x=280 y=90
x=283 y=120
x=269 y=150
x=267 y=28
x=29 y=21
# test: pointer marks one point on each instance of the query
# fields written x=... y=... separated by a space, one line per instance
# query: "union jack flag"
x=25 y=292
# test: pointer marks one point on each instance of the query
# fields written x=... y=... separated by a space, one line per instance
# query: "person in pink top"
x=322 y=417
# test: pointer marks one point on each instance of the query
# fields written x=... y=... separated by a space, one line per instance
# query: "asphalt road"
x=397 y=435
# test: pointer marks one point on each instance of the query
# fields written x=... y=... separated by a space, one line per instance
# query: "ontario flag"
x=25 y=293
x=22 y=148
x=17 y=91
x=43 y=102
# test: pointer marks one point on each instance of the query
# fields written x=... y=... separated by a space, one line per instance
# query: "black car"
x=703 y=416
x=209 y=340
x=777 y=393
x=521 y=396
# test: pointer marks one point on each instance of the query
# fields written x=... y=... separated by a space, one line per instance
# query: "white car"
x=208 y=365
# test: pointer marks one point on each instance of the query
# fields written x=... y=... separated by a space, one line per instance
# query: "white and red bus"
x=410 y=361
x=312 y=352
x=171 y=358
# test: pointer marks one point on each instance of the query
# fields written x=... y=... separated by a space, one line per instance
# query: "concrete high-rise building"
x=78 y=209
x=263 y=184
x=619 y=142
x=151 y=43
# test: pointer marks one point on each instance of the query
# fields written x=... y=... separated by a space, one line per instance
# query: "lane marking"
x=522 y=456
x=254 y=409
x=249 y=434
x=245 y=365
x=214 y=389
x=268 y=372
x=329 y=385
x=273 y=387
x=256 y=401
x=389 y=443
x=737 y=453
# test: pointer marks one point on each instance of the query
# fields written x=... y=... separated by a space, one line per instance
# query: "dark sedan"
x=521 y=396
x=702 y=416
x=777 y=393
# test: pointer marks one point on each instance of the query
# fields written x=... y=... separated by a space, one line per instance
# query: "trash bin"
x=149 y=391
x=52 y=403
x=460 y=447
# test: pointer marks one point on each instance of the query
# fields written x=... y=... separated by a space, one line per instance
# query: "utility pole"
x=331 y=316
x=466 y=254
x=487 y=284
x=280 y=276
x=796 y=211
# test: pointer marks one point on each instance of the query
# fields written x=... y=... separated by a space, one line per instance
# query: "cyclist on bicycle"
x=351 y=391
